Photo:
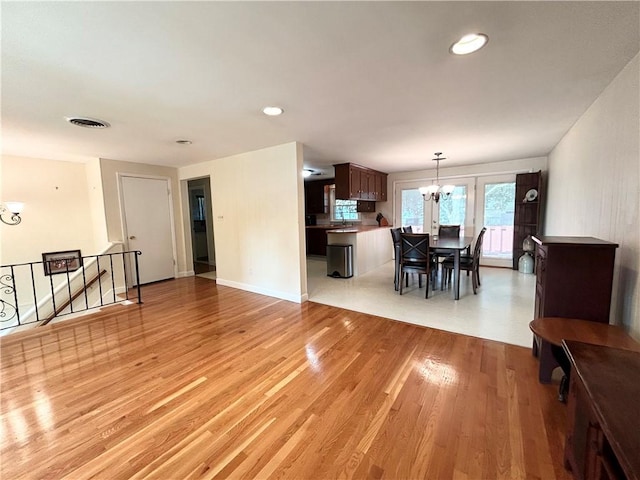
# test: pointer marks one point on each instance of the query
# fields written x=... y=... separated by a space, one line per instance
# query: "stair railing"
x=29 y=296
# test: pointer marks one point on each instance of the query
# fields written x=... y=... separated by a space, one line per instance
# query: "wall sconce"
x=13 y=208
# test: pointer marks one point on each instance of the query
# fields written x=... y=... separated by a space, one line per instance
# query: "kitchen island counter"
x=372 y=245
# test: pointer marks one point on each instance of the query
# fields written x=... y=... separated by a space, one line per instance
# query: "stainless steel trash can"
x=340 y=261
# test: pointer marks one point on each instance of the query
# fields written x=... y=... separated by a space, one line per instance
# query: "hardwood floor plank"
x=204 y=381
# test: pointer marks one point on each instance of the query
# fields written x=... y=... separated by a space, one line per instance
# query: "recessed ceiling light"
x=87 y=122
x=469 y=44
x=272 y=111
x=184 y=142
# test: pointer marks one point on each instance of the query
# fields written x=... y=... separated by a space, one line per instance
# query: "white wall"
x=57 y=216
x=96 y=203
x=593 y=186
x=58 y=211
x=258 y=213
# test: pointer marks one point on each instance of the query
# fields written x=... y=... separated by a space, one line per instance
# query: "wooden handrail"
x=75 y=295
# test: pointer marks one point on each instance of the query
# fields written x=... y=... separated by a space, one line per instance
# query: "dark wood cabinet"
x=316 y=196
x=603 y=427
x=527 y=212
x=316 y=240
x=354 y=182
x=574 y=277
x=381 y=187
x=363 y=206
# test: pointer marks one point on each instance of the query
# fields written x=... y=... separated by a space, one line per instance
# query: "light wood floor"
x=212 y=382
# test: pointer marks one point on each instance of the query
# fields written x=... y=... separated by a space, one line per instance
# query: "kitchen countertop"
x=350 y=229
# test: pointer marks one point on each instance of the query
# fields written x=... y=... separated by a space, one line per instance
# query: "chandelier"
x=13 y=208
x=435 y=191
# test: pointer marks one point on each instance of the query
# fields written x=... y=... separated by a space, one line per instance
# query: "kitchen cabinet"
x=366 y=207
x=316 y=240
x=527 y=212
x=574 y=277
x=316 y=196
x=354 y=182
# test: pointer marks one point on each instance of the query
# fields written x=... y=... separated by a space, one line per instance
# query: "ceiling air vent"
x=87 y=122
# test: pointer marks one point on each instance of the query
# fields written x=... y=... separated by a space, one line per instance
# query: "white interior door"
x=148 y=226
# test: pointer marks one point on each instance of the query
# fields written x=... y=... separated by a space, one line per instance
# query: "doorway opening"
x=200 y=220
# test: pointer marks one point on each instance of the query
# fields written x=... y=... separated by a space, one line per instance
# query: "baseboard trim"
x=263 y=291
x=187 y=273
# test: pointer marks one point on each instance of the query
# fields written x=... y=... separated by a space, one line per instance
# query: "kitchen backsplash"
x=365 y=219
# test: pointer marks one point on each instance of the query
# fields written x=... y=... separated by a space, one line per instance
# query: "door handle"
x=132 y=237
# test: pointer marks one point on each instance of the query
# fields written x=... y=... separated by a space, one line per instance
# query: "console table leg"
x=547 y=362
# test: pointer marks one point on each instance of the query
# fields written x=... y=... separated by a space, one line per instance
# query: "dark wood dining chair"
x=469 y=263
x=449 y=231
x=414 y=258
x=445 y=231
x=395 y=236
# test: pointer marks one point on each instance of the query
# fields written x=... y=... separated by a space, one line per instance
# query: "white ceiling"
x=365 y=82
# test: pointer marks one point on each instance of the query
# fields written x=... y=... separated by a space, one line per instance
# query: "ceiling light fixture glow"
x=306 y=173
x=469 y=43
x=272 y=111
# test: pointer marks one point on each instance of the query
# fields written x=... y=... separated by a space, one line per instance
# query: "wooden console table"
x=603 y=431
x=550 y=331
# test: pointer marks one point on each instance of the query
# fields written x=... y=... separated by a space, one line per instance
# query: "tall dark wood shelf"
x=527 y=214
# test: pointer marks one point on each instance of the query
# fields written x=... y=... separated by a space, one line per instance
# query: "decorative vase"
x=525 y=263
x=528 y=245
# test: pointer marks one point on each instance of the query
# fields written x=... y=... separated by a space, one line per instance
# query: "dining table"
x=454 y=246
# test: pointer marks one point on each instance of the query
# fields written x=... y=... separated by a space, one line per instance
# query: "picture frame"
x=61 y=262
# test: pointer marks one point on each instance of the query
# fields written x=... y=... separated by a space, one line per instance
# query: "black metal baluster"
x=66 y=263
x=84 y=283
x=99 y=279
x=35 y=297
x=15 y=294
x=53 y=294
x=113 y=282
x=124 y=269
x=135 y=256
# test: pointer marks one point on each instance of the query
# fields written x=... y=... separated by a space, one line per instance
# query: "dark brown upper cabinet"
x=354 y=182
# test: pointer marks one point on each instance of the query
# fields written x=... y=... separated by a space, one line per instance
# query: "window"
x=198 y=208
x=453 y=208
x=412 y=209
x=343 y=210
x=499 y=201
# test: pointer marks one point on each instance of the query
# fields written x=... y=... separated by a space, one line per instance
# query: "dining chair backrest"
x=415 y=248
x=407 y=229
x=395 y=236
x=477 y=249
x=449 y=231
